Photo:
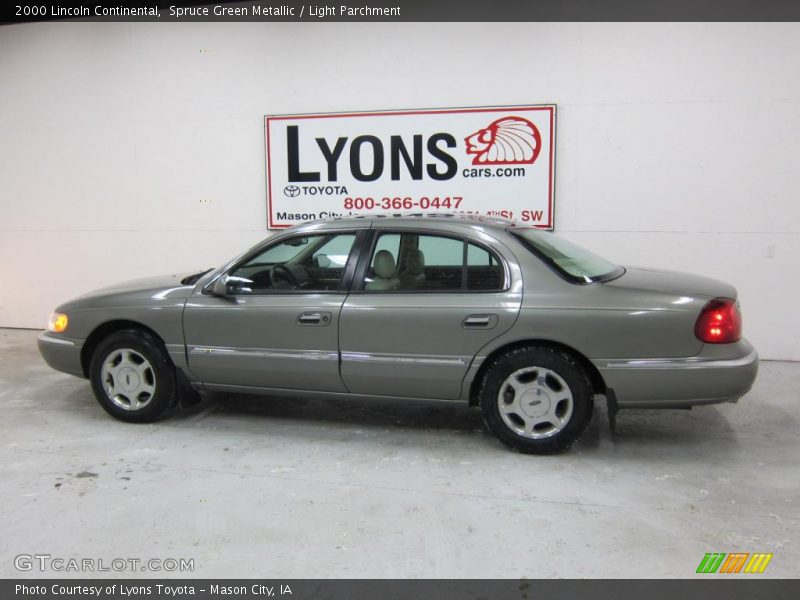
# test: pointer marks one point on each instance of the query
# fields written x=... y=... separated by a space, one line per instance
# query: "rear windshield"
x=570 y=260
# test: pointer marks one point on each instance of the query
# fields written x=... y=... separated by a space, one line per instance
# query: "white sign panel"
x=490 y=161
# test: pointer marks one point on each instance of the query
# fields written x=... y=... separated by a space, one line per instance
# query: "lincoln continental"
x=523 y=324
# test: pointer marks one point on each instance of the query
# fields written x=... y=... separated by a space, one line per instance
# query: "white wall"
x=133 y=149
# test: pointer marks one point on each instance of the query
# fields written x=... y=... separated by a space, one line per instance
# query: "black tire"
x=160 y=375
x=566 y=370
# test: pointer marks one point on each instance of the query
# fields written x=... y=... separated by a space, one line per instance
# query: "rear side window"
x=441 y=251
x=484 y=271
x=416 y=262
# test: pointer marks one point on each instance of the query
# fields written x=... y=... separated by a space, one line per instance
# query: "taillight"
x=720 y=322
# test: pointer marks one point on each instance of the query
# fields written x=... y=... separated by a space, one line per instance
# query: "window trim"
x=359 y=277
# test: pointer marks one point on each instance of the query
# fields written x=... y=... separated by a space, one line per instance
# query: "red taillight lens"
x=720 y=322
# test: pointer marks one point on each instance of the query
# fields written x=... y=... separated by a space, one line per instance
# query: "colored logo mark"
x=735 y=562
x=507 y=141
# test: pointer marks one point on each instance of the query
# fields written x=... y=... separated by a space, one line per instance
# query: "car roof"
x=411 y=220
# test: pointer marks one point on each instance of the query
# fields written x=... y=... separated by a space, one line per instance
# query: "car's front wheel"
x=537 y=400
x=132 y=376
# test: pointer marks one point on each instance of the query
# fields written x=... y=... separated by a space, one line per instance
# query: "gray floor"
x=293 y=488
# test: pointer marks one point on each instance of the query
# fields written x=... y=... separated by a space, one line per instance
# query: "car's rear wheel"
x=132 y=376
x=537 y=400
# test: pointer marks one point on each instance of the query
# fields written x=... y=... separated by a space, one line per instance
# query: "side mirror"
x=220 y=286
x=226 y=285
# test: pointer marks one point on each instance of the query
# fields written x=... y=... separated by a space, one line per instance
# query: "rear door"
x=413 y=332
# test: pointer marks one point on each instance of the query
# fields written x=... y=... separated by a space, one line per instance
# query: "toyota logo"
x=292 y=191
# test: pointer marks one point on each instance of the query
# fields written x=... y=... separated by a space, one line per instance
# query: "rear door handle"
x=314 y=318
x=479 y=322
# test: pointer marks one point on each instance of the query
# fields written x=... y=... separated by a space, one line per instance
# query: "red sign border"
x=421 y=111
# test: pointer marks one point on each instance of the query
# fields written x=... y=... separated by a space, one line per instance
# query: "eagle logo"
x=507 y=141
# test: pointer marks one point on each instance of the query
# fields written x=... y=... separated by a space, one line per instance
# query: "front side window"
x=570 y=260
x=416 y=262
x=306 y=263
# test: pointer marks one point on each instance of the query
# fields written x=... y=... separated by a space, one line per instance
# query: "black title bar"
x=21 y=11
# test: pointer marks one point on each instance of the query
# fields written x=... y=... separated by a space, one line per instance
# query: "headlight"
x=58 y=322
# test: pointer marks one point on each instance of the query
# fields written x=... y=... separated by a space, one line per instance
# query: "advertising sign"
x=496 y=161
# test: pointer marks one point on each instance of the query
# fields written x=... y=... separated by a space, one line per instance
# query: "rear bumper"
x=61 y=353
x=718 y=374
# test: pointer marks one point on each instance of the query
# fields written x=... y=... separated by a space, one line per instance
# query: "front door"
x=278 y=325
x=426 y=305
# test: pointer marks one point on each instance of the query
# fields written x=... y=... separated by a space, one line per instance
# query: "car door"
x=423 y=303
x=277 y=326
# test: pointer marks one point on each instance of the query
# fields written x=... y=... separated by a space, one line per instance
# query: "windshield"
x=570 y=260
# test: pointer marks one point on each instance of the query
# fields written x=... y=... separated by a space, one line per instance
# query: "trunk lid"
x=673 y=282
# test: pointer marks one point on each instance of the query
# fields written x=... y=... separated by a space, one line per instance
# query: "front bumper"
x=719 y=374
x=61 y=353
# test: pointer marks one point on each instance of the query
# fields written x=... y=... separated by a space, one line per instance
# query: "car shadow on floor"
x=356 y=412
x=640 y=430
x=654 y=430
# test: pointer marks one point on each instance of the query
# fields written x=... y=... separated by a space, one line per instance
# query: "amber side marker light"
x=720 y=322
x=58 y=323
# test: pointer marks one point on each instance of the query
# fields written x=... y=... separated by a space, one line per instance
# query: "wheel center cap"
x=128 y=379
x=535 y=402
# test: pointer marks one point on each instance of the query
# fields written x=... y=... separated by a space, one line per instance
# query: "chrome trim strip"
x=267 y=353
x=328 y=355
x=404 y=359
x=693 y=362
x=43 y=337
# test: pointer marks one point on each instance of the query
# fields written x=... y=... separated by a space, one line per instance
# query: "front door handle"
x=479 y=322
x=314 y=318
